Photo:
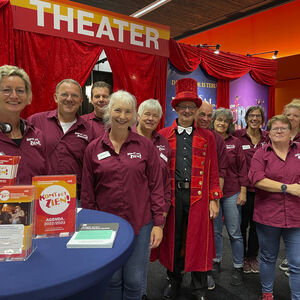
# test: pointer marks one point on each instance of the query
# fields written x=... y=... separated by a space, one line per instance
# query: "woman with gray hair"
x=122 y=175
x=149 y=115
x=17 y=136
x=234 y=194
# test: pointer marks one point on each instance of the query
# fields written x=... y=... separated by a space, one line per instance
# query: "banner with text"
x=77 y=21
x=243 y=93
x=207 y=89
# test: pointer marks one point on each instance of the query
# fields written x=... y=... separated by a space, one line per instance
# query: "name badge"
x=245 y=147
x=163 y=157
x=103 y=155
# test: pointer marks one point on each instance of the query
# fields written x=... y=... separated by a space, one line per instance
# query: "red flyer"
x=8 y=169
x=55 y=209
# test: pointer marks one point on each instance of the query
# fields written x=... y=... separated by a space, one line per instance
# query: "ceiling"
x=188 y=17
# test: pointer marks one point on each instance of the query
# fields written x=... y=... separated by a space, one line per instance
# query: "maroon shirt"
x=297 y=138
x=221 y=154
x=32 y=151
x=128 y=184
x=162 y=145
x=276 y=209
x=65 y=151
x=237 y=170
x=95 y=122
x=249 y=148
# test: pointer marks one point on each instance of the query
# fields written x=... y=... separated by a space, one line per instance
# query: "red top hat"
x=186 y=90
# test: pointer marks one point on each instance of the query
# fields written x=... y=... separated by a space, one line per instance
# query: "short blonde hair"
x=282 y=118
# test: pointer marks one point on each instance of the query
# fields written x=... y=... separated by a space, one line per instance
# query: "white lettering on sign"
x=85 y=24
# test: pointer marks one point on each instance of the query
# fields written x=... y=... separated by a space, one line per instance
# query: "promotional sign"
x=16 y=222
x=8 y=169
x=243 y=93
x=77 y=21
x=207 y=89
x=55 y=213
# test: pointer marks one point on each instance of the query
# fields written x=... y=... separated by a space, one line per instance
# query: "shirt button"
x=199 y=193
x=184 y=158
x=184 y=169
x=184 y=138
x=201 y=172
x=184 y=148
x=216 y=193
x=204 y=153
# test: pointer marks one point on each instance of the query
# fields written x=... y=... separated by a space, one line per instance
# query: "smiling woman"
x=15 y=94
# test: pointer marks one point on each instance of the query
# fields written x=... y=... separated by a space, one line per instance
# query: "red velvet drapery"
x=225 y=66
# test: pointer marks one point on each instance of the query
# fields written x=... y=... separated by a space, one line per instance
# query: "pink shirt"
x=32 y=151
x=128 y=184
x=276 y=209
x=237 y=170
x=95 y=122
x=65 y=151
x=249 y=148
x=162 y=145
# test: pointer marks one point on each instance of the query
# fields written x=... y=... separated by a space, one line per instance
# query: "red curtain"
x=143 y=75
x=6 y=34
x=48 y=60
x=224 y=66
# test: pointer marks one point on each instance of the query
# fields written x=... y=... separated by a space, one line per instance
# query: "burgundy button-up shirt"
x=237 y=170
x=65 y=150
x=128 y=184
x=249 y=148
x=163 y=147
x=32 y=151
x=276 y=209
x=95 y=122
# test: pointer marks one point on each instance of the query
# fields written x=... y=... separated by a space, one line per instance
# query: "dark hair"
x=227 y=114
x=101 y=84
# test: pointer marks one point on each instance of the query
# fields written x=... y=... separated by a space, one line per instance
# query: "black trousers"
x=251 y=245
x=182 y=207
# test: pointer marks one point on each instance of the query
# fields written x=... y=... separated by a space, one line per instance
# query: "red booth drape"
x=225 y=66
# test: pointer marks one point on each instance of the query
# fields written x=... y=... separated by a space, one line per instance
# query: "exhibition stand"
x=55 y=272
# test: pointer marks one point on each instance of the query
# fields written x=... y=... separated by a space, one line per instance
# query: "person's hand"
x=242 y=198
x=293 y=189
x=213 y=208
x=156 y=236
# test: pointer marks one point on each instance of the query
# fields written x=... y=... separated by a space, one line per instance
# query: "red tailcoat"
x=200 y=245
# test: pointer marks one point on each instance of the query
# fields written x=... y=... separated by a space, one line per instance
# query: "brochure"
x=55 y=213
x=8 y=169
x=16 y=222
x=97 y=235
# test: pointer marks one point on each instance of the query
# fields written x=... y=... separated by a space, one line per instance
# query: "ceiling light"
x=217 y=46
x=274 y=56
x=154 y=5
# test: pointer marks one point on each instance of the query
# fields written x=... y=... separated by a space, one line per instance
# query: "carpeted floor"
x=249 y=290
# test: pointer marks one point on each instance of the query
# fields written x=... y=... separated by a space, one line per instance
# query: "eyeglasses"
x=252 y=116
x=9 y=91
x=184 y=107
x=279 y=128
x=65 y=96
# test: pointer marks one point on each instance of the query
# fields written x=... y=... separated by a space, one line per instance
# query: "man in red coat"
x=188 y=242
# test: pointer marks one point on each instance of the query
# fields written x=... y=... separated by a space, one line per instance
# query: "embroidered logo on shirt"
x=82 y=135
x=230 y=146
x=134 y=155
x=33 y=141
x=161 y=147
x=245 y=147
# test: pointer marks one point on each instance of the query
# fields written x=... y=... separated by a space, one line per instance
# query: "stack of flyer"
x=55 y=209
x=8 y=169
x=16 y=216
x=98 y=235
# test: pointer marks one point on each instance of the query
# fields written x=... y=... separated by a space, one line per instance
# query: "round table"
x=55 y=272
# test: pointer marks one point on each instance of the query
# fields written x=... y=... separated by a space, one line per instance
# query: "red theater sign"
x=89 y=24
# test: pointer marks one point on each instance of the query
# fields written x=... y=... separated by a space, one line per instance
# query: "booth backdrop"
x=49 y=59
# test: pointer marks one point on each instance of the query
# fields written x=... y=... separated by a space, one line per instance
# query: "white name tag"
x=245 y=147
x=230 y=146
x=163 y=157
x=103 y=155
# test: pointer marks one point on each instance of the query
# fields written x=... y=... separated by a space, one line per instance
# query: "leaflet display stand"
x=16 y=222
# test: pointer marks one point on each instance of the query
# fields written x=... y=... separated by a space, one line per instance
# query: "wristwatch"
x=283 y=188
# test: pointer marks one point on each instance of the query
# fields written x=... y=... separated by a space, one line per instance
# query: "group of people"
x=176 y=186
